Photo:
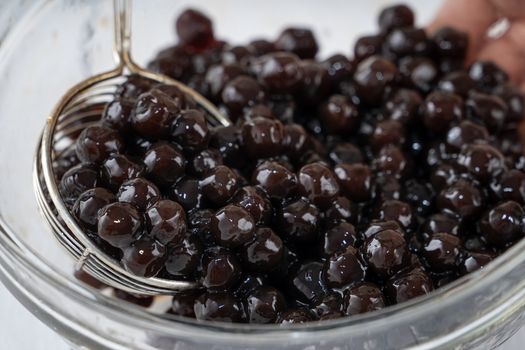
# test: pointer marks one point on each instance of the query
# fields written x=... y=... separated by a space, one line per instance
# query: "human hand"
x=475 y=17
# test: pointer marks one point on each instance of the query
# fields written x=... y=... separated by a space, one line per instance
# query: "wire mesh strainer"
x=80 y=107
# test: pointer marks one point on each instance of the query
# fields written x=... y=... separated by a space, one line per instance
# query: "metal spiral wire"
x=81 y=111
x=81 y=106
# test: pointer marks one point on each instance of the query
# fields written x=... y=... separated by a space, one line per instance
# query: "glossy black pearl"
x=255 y=201
x=194 y=29
x=343 y=268
x=260 y=47
x=236 y=54
x=133 y=87
x=511 y=186
x=363 y=297
x=182 y=304
x=119 y=168
x=367 y=46
x=88 y=204
x=166 y=222
x=386 y=252
x=338 y=68
x=190 y=130
x=472 y=261
x=241 y=92
x=117 y=115
x=315 y=83
x=514 y=99
x=265 y=252
x=442 y=222
x=388 y=186
x=174 y=61
x=221 y=270
x=296 y=140
x=398 y=211
x=144 y=257
x=342 y=209
x=219 y=185
x=406 y=41
x=64 y=162
x=300 y=41
x=299 y=220
x=137 y=146
x=259 y=110
x=337 y=239
x=403 y=105
x=119 y=224
x=441 y=252
x=232 y=226
x=262 y=137
x=377 y=226
x=489 y=109
x=249 y=283
x=503 y=224
x=218 y=306
x=96 y=143
x=76 y=180
x=327 y=306
x=483 y=161
x=275 y=179
x=339 y=115
x=441 y=109
x=457 y=82
x=487 y=74
x=420 y=196
x=183 y=259
x=217 y=76
x=391 y=160
x=164 y=164
x=466 y=132
x=387 y=132
x=294 y=316
x=461 y=198
x=443 y=175
x=187 y=193
x=408 y=285
x=205 y=161
x=153 y=115
x=372 y=77
x=307 y=282
x=280 y=72
x=318 y=183
x=139 y=192
x=264 y=305
x=396 y=16
x=451 y=42
x=355 y=180
x=418 y=72
x=181 y=99
x=345 y=152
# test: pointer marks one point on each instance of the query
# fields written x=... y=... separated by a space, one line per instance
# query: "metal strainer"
x=80 y=107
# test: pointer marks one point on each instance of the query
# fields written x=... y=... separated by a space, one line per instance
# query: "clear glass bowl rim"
x=12 y=248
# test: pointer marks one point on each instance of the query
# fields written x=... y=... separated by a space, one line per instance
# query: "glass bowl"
x=47 y=46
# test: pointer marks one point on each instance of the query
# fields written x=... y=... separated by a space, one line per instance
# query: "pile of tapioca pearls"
x=345 y=185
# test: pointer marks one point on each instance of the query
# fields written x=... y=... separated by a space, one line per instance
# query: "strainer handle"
x=122 y=27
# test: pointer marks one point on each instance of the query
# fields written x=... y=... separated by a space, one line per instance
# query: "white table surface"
x=20 y=330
